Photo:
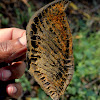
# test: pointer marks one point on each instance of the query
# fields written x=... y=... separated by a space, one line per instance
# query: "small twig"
x=91 y=83
x=25 y=2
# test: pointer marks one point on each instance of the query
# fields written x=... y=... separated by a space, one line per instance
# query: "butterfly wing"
x=50 y=54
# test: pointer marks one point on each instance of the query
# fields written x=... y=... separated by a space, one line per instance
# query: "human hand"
x=12 y=51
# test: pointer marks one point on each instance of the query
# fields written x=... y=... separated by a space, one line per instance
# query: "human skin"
x=12 y=51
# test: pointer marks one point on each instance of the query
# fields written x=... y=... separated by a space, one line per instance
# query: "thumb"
x=12 y=49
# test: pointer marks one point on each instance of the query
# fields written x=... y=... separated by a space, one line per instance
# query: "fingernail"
x=22 y=40
x=6 y=74
x=12 y=89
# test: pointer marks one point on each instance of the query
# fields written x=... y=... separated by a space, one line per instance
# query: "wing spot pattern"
x=49 y=53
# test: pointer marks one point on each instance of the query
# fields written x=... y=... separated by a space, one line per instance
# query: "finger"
x=11 y=33
x=15 y=71
x=21 y=58
x=14 y=90
x=12 y=49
